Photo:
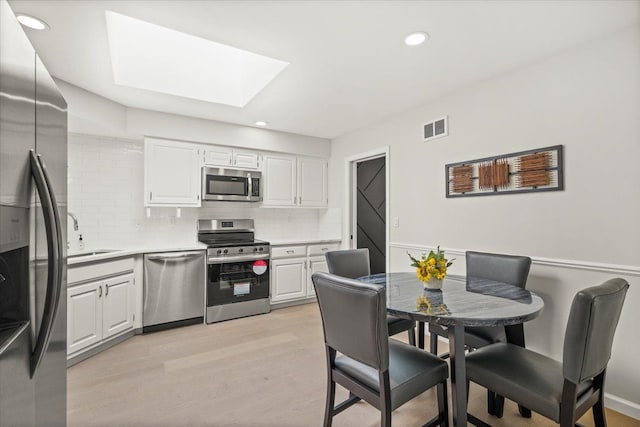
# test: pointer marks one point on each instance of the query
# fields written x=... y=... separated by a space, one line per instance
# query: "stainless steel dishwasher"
x=173 y=289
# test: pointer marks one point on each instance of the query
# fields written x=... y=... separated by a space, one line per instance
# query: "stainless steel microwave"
x=220 y=184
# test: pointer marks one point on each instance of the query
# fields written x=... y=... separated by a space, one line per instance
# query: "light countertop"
x=284 y=242
x=101 y=254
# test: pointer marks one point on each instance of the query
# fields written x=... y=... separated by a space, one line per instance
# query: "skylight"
x=151 y=57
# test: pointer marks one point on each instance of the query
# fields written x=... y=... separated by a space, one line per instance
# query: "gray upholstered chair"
x=354 y=263
x=384 y=372
x=563 y=391
x=510 y=269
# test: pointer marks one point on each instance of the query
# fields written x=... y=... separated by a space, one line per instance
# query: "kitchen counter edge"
x=128 y=252
x=303 y=242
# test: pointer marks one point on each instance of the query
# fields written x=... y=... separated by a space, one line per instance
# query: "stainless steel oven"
x=237 y=270
x=220 y=184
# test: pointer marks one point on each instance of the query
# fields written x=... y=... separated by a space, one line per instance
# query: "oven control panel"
x=229 y=254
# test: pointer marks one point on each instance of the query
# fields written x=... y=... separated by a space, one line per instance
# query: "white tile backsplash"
x=106 y=179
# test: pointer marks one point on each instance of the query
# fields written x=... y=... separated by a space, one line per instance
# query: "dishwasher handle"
x=174 y=257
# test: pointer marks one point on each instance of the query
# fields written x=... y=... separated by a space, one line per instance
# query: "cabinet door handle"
x=100 y=291
x=324 y=249
x=150 y=195
x=295 y=200
x=106 y=290
x=291 y=252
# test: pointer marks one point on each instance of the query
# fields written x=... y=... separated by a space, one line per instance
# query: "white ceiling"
x=348 y=65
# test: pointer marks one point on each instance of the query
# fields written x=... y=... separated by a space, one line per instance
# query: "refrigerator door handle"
x=54 y=254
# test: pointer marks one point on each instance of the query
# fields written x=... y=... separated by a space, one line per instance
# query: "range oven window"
x=237 y=281
x=227 y=185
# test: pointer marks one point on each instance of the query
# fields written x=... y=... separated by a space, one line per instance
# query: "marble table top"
x=470 y=302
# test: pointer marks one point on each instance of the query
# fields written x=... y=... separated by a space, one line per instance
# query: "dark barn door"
x=370 y=211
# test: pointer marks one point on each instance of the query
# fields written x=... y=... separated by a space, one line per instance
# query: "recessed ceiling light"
x=32 y=22
x=261 y=123
x=414 y=39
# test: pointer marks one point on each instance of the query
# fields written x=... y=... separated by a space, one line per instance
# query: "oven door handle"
x=238 y=258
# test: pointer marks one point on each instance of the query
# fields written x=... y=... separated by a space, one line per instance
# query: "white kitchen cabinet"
x=292 y=267
x=84 y=316
x=117 y=307
x=171 y=173
x=295 y=181
x=289 y=281
x=312 y=182
x=220 y=156
x=100 y=301
x=279 y=180
x=316 y=264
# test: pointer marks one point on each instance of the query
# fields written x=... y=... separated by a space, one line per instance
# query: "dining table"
x=461 y=302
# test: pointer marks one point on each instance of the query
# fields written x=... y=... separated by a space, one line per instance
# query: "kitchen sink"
x=96 y=252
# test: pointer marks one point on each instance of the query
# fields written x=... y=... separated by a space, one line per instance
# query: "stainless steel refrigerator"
x=33 y=213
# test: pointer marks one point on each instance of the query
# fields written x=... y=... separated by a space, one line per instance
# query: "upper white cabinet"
x=171 y=173
x=294 y=181
x=279 y=180
x=312 y=182
x=215 y=155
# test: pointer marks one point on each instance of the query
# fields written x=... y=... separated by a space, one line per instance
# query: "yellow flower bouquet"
x=431 y=268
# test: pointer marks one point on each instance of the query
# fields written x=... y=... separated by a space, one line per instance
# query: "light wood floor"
x=266 y=370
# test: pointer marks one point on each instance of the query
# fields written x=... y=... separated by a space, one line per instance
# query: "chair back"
x=591 y=326
x=511 y=269
x=351 y=263
x=354 y=318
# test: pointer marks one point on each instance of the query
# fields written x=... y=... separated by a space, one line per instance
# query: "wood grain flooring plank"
x=262 y=371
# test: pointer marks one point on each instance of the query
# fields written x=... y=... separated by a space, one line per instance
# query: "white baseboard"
x=621 y=405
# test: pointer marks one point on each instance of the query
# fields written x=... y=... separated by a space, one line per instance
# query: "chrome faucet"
x=75 y=221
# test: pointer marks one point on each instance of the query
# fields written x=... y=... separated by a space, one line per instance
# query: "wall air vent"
x=435 y=129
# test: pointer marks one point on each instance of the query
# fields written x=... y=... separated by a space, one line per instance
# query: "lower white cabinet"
x=117 y=307
x=100 y=303
x=292 y=267
x=316 y=264
x=289 y=279
x=84 y=316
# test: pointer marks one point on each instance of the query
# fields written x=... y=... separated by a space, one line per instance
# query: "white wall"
x=587 y=99
x=106 y=173
x=106 y=178
x=91 y=114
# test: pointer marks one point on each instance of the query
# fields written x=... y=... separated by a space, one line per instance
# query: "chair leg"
x=443 y=404
x=331 y=397
x=491 y=402
x=524 y=412
x=599 y=417
x=385 y=416
x=412 y=336
x=498 y=406
x=433 y=343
